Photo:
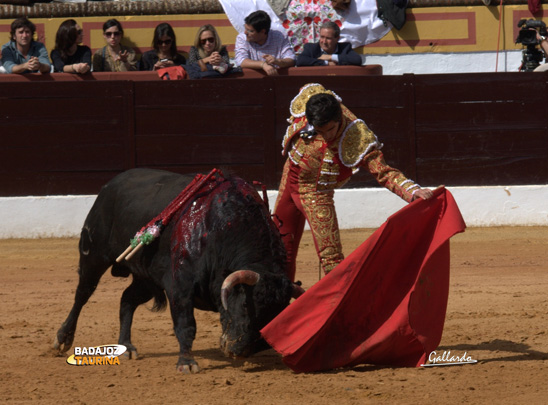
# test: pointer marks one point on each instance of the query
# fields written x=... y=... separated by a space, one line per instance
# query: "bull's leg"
x=87 y=283
x=184 y=325
x=136 y=294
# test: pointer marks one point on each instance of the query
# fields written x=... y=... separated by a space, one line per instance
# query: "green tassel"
x=147 y=238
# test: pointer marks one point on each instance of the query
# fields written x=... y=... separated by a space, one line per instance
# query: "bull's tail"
x=160 y=301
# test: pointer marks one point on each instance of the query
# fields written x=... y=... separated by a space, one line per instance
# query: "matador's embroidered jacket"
x=327 y=166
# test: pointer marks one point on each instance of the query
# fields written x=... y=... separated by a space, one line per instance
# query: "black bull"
x=216 y=234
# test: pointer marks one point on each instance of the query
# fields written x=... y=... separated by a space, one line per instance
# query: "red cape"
x=384 y=304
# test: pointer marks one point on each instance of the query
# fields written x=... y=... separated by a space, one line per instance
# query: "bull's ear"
x=297 y=290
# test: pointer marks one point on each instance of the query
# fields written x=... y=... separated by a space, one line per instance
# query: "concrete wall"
x=63 y=216
x=433 y=63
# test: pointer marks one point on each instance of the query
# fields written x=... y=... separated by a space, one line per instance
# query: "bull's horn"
x=238 y=277
x=297 y=291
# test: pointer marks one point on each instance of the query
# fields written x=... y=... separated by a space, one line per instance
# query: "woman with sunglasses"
x=114 y=57
x=208 y=50
x=164 y=53
x=68 y=56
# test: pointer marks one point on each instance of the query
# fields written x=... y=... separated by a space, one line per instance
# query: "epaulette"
x=357 y=140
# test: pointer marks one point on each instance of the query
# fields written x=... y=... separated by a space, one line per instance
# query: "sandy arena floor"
x=497 y=314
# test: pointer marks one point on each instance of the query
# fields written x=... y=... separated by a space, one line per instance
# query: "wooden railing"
x=63 y=134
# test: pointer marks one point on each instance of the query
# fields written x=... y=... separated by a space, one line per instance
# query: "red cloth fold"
x=534 y=6
x=384 y=304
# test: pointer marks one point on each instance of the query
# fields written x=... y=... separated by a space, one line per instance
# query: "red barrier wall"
x=63 y=134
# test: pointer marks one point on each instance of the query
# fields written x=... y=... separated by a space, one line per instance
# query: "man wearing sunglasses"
x=23 y=54
x=261 y=48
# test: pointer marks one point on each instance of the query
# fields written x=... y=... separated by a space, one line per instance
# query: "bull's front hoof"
x=187 y=365
x=58 y=346
x=188 y=368
x=131 y=354
x=131 y=351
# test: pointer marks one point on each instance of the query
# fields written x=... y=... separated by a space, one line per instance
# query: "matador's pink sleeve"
x=389 y=177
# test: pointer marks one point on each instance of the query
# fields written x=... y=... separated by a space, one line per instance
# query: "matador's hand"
x=424 y=193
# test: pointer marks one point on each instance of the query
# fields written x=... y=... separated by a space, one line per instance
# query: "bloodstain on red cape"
x=385 y=304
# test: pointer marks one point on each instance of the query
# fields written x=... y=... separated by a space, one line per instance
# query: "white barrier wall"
x=63 y=216
x=433 y=63
x=43 y=217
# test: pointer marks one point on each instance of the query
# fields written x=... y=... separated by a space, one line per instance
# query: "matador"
x=325 y=144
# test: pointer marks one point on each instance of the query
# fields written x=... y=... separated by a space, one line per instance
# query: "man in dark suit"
x=329 y=51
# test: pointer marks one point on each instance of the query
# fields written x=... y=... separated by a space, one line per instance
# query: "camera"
x=527 y=36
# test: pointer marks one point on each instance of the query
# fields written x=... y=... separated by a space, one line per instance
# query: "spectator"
x=165 y=52
x=329 y=51
x=261 y=48
x=208 y=50
x=23 y=54
x=114 y=57
x=544 y=46
x=68 y=56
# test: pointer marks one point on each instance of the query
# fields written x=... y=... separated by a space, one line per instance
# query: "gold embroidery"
x=329 y=171
x=297 y=107
x=388 y=177
x=356 y=142
x=293 y=129
x=322 y=218
x=320 y=173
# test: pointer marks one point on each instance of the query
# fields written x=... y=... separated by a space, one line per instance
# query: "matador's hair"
x=323 y=108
